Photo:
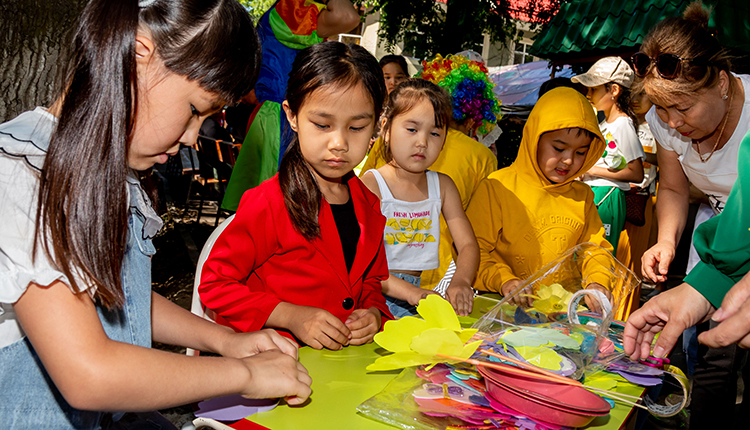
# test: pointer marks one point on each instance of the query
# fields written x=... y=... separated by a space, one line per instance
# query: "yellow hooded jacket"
x=521 y=219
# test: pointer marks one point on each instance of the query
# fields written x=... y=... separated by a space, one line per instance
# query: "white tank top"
x=412 y=229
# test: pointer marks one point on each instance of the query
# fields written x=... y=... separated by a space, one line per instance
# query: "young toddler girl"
x=304 y=253
x=412 y=198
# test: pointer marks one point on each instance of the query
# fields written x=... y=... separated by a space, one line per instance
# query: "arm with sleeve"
x=723 y=242
x=485 y=216
x=245 y=244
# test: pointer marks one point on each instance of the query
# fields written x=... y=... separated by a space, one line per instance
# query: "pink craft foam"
x=540 y=407
x=535 y=411
x=569 y=397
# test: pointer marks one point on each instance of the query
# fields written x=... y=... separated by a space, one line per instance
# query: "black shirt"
x=348 y=227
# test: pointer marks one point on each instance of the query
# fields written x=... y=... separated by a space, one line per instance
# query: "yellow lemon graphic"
x=415 y=224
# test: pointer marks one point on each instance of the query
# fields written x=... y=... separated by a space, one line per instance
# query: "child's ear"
x=290 y=116
x=144 y=46
x=616 y=90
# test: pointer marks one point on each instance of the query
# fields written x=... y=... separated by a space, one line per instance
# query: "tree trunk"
x=32 y=35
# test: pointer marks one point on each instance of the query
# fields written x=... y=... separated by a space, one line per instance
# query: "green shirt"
x=723 y=242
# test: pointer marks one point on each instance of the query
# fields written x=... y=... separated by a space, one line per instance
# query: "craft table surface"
x=341 y=383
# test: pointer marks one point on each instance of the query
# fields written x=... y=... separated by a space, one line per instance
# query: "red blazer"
x=260 y=260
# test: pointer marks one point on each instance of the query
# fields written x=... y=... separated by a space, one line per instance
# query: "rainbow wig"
x=469 y=86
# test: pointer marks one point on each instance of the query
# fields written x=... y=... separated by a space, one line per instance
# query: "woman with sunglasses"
x=701 y=113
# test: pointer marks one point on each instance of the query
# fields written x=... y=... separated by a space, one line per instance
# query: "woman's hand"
x=733 y=316
x=670 y=313
x=363 y=323
x=461 y=297
x=317 y=328
x=275 y=374
x=239 y=345
x=655 y=262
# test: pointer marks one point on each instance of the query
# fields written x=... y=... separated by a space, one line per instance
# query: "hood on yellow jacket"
x=559 y=108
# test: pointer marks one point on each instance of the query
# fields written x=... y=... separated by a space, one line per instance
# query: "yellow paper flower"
x=552 y=299
x=415 y=341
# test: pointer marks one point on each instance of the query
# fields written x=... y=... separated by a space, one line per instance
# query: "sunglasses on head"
x=667 y=65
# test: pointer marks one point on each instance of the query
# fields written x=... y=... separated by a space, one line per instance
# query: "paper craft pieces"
x=470 y=413
x=444 y=391
x=627 y=365
x=645 y=380
x=552 y=299
x=233 y=408
x=533 y=336
x=417 y=341
x=564 y=367
x=541 y=357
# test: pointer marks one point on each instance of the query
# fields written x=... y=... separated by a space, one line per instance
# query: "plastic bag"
x=586 y=276
x=395 y=405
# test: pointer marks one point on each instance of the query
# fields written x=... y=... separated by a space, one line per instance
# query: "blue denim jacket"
x=28 y=397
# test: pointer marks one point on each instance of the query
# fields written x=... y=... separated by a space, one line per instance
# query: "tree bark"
x=32 y=35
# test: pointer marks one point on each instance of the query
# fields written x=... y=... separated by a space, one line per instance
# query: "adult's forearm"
x=671 y=211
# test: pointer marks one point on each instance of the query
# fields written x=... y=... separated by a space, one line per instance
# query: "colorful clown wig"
x=469 y=86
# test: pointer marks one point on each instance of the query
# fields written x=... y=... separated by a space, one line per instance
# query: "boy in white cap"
x=608 y=82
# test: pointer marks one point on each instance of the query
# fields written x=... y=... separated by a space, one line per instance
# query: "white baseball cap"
x=608 y=69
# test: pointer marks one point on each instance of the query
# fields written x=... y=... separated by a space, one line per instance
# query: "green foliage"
x=428 y=27
x=257 y=7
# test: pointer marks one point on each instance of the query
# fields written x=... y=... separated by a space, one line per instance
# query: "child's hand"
x=318 y=328
x=239 y=345
x=519 y=299
x=363 y=323
x=461 y=297
x=593 y=303
x=419 y=294
x=274 y=374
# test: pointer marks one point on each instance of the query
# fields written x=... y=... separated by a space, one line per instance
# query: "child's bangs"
x=409 y=98
x=216 y=46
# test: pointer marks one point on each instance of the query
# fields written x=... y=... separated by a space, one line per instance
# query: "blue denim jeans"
x=401 y=308
x=29 y=398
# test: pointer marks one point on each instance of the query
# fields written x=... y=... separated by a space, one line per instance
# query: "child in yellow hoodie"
x=528 y=214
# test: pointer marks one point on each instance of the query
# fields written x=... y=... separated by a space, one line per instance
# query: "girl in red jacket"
x=304 y=253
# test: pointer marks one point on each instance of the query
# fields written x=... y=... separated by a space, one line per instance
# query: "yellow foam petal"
x=397 y=334
x=399 y=360
x=437 y=341
x=437 y=312
x=603 y=380
x=466 y=334
x=541 y=357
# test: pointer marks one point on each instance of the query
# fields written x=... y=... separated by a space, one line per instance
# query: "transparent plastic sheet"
x=543 y=301
x=395 y=405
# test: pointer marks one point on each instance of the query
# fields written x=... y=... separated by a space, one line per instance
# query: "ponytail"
x=623 y=103
x=302 y=195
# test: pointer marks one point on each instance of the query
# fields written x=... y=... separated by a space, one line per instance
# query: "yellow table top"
x=341 y=383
